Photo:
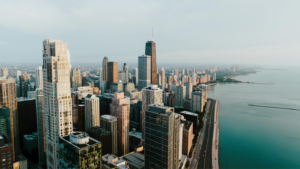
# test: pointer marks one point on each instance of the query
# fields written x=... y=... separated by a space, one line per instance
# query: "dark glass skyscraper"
x=151 y=51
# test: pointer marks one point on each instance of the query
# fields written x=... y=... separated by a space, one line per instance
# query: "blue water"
x=259 y=137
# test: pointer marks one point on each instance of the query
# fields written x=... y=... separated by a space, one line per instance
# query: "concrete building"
x=144 y=63
x=102 y=135
x=176 y=72
x=161 y=137
x=136 y=75
x=39 y=78
x=150 y=50
x=113 y=162
x=170 y=79
x=116 y=87
x=105 y=68
x=187 y=137
x=100 y=78
x=110 y=123
x=158 y=79
x=76 y=79
x=40 y=126
x=121 y=110
x=198 y=100
x=180 y=95
x=125 y=69
x=182 y=72
x=128 y=87
x=4 y=72
x=17 y=75
x=189 y=89
x=57 y=97
x=194 y=78
x=78 y=150
x=122 y=76
x=163 y=77
x=91 y=111
x=112 y=73
x=8 y=98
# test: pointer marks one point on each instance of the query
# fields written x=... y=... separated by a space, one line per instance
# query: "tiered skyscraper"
x=150 y=50
x=57 y=97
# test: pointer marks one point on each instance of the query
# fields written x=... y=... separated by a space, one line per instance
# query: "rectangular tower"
x=76 y=79
x=151 y=51
x=41 y=126
x=39 y=78
x=144 y=78
x=91 y=112
x=109 y=122
x=57 y=97
x=112 y=73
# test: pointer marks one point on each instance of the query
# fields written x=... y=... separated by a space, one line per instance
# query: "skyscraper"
x=125 y=69
x=18 y=74
x=176 y=72
x=121 y=110
x=150 y=50
x=39 y=78
x=180 y=96
x=8 y=98
x=41 y=126
x=158 y=79
x=76 y=79
x=112 y=73
x=91 y=111
x=144 y=71
x=194 y=78
x=163 y=76
x=5 y=127
x=24 y=85
x=4 y=72
x=109 y=122
x=100 y=78
x=189 y=89
x=104 y=68
x=57 y=97
x=136 y=75
x=182 y=72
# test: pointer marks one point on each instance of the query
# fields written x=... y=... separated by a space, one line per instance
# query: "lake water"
x=259 y=137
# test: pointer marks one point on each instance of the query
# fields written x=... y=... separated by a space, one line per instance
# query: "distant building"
x=39 y=78
x=180 y=96
x=102 y=135
x=4 y=72
x=78 y=150
x=24 y=80
x=189 y=89
x=76 y=79
x=125 y=69
x=105 y=101
x=104 y=68
x=187 y=137
x=40 y=126
x=198 y=100
x=112 y=73
x=122 y=76
x=86 y=89
x=91 y=111
x=136 y=75
x=81 y=117
x=110 y=123
x=163 y=77
x=135 y=111
x=144 y=78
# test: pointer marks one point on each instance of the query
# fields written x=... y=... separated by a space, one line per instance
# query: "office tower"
x=81 y=119
x=163 y=77
x=121 y=110
x=187 y=137
x=198 y=100
x=189 y=89
x=100 y=78
x=4 y=72
x=158 y=79
x=17 y=75
x=41 y=126
x=112 y=73
x=182 y=72
x=180 y=140
x=24 y=85
x=136 y=75
x=91 y=111
x=150 y=95
x=144 y=71
x=125 y=69
x=170 y=79
x=194 y=78
x=6 y=150
x=76 y=79
x=104 y=68
x=122 y=76
x=180 y=95
x=104 y=87
x=27 y=119
x=109 y=123
x=150 y=50
x=57 y=97
x=176 y=72
x=78 y=150
x=39 y=78
x=105 y=101
x=8 y=98
x=86 y=89
x=135 y=111
x=102 y=135
x=161 y=137
x=116 y=87
x=187 y=72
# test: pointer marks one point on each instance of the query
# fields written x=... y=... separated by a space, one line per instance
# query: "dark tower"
x=151 y=51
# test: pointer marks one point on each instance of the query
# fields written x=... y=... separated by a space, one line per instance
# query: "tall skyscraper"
x=125 y=69
x=144 y=71
x=194 y=78
x=8 y=98
x=41 y=126
x=4 y=72
x=163 y=77
x=180 y=95
x=188 y=72
x=100 y=78
x=150 y=50
x=110 y=123
x=112 y=73
x=161 y=137
x=39 y=78
x=198 y=100
x=91 y=112
x=158 y=79
x=104 y=68
x=17 y=76
x=24 y=79
x=189 y=89
x=76 y=79
x=57 y=97
x=121 y=110
x=136 y=75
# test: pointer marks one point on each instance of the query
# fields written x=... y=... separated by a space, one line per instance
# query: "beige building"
x=120 y=109
x=8 y=98
x=57 y=97
x=76 y=79
x=163 y=77
x=91 y=111
x=4 y=72
x=187 y=137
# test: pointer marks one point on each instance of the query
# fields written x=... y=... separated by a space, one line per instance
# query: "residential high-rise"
x=104 y=68
x=189 y=89
x=180 y=95
x=187 y=137
x=125 y=69
x=39 y=78
x=161 y=137
x=121 y=110
x=198 y=100
x=136 y=75
x=76 y=79
x=109 y=123
x=4 y=72
x=144 y=71
x=24 y=79
x=112 y=73
x=40 y=126
x=150 y=50
x=163 y=76
x=150 y=95
x=8 y=98
x=91 y=111
x=57 y=97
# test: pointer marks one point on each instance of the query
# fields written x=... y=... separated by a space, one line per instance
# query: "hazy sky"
x=199 y=31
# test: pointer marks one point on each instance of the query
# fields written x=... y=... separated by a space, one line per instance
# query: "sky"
x=264 y=32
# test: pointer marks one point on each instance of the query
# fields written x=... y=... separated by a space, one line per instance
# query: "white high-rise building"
x=91 y=111
x=57 y=97
x=194 y=78
x=39 y=78
x=4 y=72
x=163 y=77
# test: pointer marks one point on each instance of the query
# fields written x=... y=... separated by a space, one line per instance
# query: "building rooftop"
x=186 y=124
x=136 y=134
x=79 y=140
x=108 y=117
x=99 y=131
x=20 y=99
x=189 y=113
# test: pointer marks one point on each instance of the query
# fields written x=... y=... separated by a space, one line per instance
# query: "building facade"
x=102 y=135
x=104 y=68
x=91 y=111
x=41 y=126
x=39 y=78
x=112 y=73
x=76 y=79
x=150 y=50
x=144 y=78
x=180 y=95
x=109 y=123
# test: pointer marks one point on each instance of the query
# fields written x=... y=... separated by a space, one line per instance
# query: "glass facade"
x=5 y=128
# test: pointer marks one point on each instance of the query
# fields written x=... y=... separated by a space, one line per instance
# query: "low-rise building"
x=113 y=162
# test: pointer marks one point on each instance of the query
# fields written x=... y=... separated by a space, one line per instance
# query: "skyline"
x=231 y=32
